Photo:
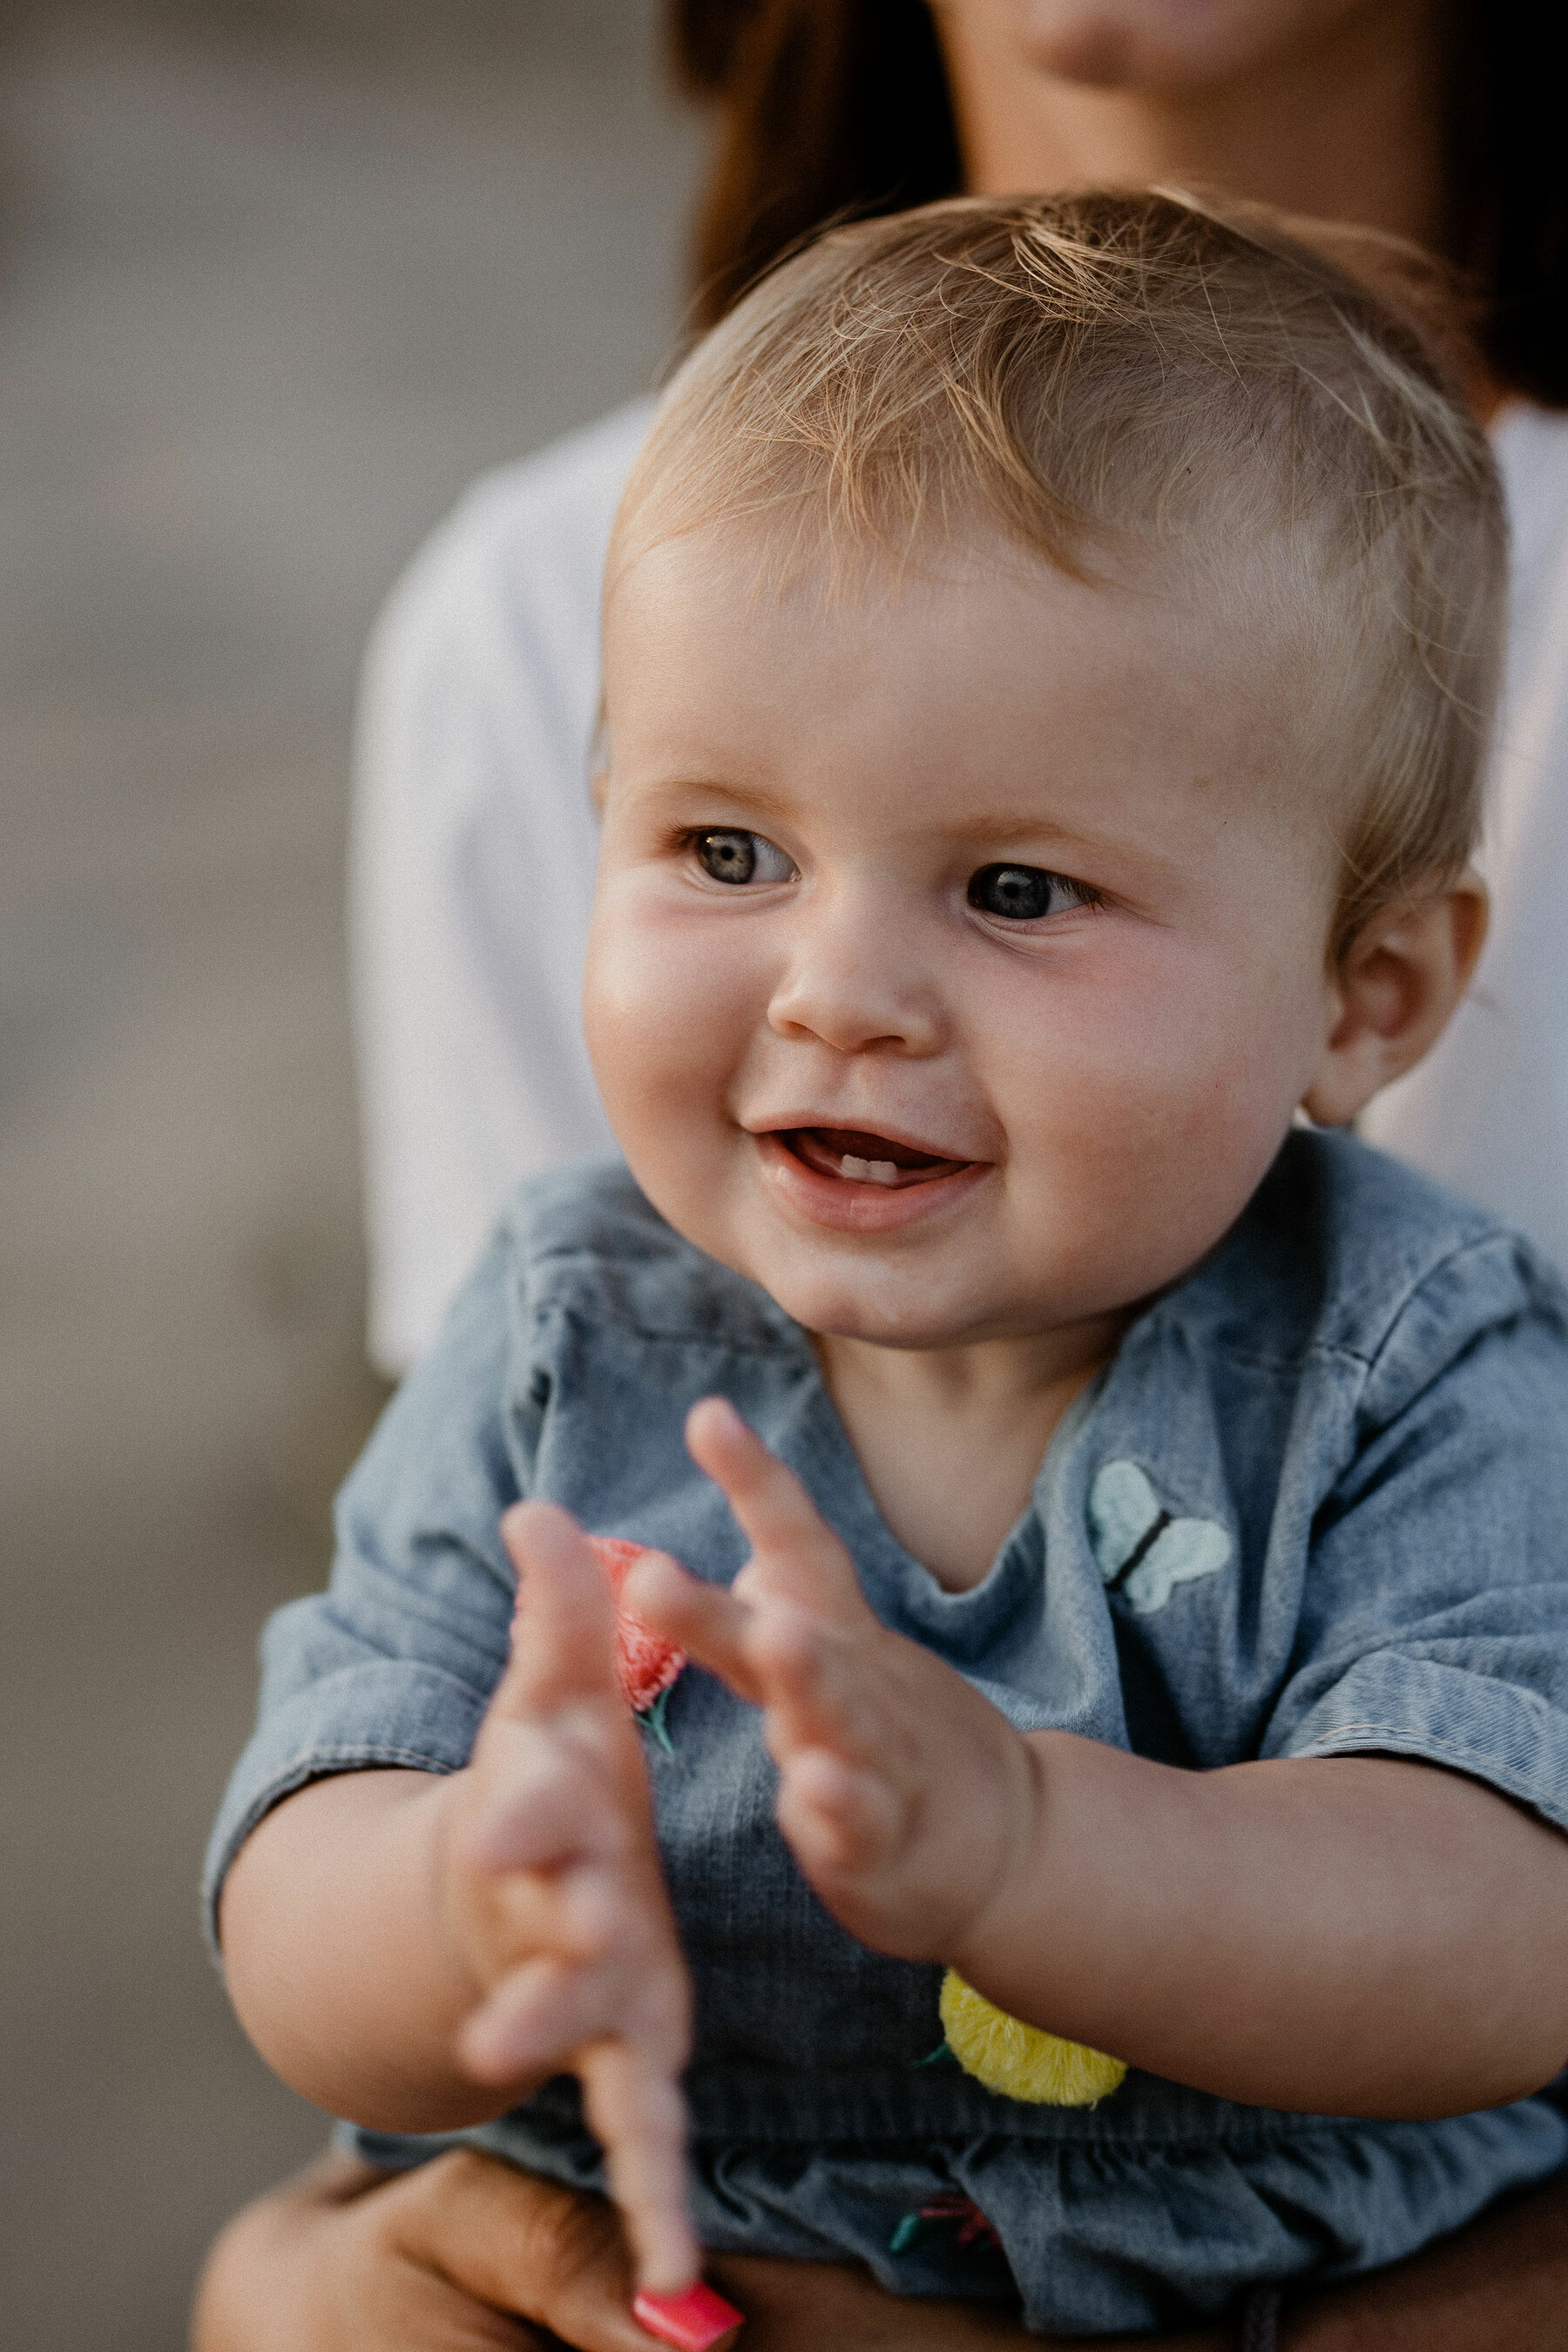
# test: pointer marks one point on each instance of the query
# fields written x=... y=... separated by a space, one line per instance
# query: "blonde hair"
x=1111 y=377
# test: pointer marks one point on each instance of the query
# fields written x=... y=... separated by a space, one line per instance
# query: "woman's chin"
x=1157 y=47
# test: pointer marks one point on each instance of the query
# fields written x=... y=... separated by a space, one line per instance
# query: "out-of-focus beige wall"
x=277 y=277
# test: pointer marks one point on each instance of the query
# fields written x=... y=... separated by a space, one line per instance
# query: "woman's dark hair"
x=836 y=109
x=1507 y=223
x=830 y=109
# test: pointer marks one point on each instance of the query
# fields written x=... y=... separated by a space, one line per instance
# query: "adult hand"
x=468 y=2255
x=463 y=2254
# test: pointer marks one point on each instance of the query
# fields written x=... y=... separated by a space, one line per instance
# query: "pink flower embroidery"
x=647 y=1665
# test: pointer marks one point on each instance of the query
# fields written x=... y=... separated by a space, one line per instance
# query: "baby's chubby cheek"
x=1137 y=1133
x=667 y=1024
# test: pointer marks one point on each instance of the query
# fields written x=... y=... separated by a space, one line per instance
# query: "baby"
x=1045 y=1773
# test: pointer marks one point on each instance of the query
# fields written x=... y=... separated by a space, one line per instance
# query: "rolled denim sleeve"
x=1434 y=1622
x=395 y=1662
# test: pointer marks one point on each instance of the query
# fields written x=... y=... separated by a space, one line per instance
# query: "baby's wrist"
x=1008 y=1910
x=451 y=1883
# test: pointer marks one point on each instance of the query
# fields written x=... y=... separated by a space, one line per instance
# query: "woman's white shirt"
x=1487 y=1111
x=474 y=846
x=471 y=869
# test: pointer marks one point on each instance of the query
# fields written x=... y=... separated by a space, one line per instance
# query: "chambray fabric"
x=1318 y=1505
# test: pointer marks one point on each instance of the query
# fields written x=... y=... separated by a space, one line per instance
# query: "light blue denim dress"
x=1317 y=1505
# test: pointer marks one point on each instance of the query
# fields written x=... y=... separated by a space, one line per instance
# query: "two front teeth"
x=867 y=1172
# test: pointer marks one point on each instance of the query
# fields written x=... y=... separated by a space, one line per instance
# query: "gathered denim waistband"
x=763 y=2106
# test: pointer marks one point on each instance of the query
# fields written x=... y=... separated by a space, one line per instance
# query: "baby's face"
x=958 y=959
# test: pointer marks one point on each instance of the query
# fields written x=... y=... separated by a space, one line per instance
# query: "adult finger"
x=563 y=1636
x=549 y=2255
x=796 y=1553
x=310 y=2268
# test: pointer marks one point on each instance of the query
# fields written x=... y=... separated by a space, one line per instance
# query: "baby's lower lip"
x=877 y=1192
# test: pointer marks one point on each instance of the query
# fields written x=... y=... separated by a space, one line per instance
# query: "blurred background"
x=277 y=278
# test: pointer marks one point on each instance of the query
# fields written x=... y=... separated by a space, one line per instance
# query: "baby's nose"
x=858 y=983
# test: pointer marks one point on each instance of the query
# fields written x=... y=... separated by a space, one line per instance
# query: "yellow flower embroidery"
x=1018 y=2060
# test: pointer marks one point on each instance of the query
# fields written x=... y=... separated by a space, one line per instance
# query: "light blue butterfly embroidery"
x=1140 y=1549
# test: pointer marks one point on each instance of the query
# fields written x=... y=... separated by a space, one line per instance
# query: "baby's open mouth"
x=858 y=1157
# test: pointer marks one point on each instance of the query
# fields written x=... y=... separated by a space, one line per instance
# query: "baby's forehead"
x=981 y=606
x=971 y=681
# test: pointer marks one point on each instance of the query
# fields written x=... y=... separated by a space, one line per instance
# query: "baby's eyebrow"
x=755 y=800
x=1015 y=824
x=1007 y=828
x=966 y=825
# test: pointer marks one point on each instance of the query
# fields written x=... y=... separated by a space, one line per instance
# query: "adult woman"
x=475 y=850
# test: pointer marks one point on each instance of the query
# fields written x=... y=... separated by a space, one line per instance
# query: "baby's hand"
x=551 y=1888
x=907 y=1799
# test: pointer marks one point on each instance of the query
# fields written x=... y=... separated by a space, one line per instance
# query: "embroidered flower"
x=647 y=1665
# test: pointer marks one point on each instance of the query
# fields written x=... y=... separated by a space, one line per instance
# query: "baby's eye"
x=742 y=857
x=1024 y=892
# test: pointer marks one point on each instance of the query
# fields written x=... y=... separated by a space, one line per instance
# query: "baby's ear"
x=1397 y=982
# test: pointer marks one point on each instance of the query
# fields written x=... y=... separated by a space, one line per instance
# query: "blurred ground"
x=274 y=281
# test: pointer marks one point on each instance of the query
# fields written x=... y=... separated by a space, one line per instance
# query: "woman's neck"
x=1344 y=125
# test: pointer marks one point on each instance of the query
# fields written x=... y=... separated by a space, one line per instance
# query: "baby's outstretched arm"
x=419 y=1953
x=1358 y=1936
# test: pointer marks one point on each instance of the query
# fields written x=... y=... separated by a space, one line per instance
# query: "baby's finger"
x=709 y=1623
x=563 y=1638
x=837 y=1818
x=639 y=2116
x=797 y=1552
x=534 y=2020
x=768 y=1652
x=824 y=1689
x=552 y=1802
x=574 y=1914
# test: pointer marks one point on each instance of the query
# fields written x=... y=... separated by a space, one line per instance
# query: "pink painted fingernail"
x=690 y=2321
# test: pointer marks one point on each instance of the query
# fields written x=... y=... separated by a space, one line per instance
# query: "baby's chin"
x=842 y=1287
x=877 y=1305
x=943 y=1298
